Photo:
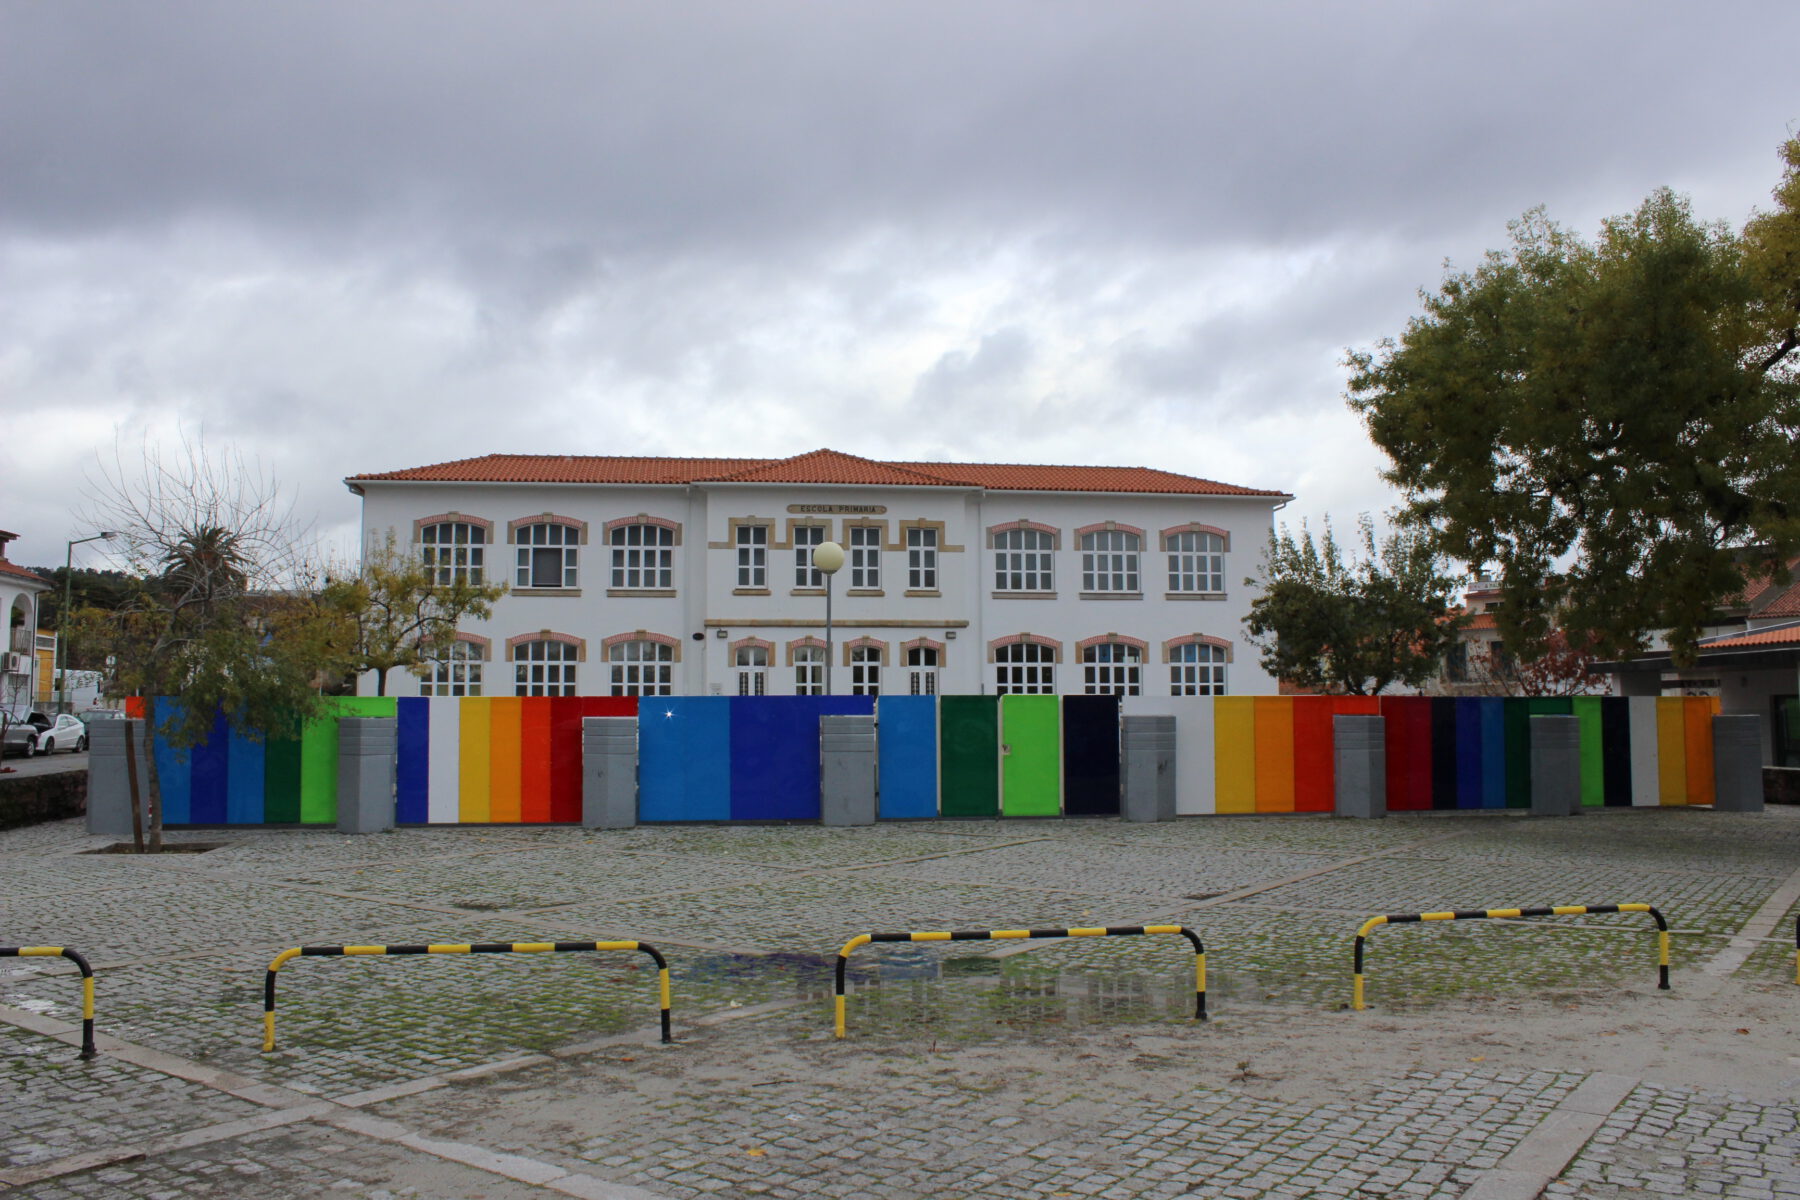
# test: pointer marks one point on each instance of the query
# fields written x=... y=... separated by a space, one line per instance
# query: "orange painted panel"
x=503 y=759
x=1274 y=754
x=1314 y=770
x=534 y=759
x=1697 y=726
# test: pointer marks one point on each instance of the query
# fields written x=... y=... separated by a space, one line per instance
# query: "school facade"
x=638 y=576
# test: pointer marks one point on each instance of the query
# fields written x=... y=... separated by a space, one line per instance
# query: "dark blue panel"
x=1615 y=750
x=1493 y=753
x=1441 y=713
x=1090 y=729
x=1468 y=753
x=243 y=780
x=173 y=774
x=412 y=766
x=775 y=753
x=206 y=803
x=907 y=756
x=684 y=758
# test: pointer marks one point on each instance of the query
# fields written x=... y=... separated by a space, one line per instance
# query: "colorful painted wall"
x=503 y=760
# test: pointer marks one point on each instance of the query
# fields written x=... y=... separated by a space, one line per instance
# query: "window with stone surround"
x=454 y=671
x=1109 y=561
x=1197 y=668
x=1112 y=669
x=641 y=668
x=752 y=556
x=1024 y=560
x=548 y=556
x=453 y=552
x=544 y=667
x=1196 y=562
x=643 y=557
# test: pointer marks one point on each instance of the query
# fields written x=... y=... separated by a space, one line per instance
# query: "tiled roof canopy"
x=819 y=466
x=18 y=572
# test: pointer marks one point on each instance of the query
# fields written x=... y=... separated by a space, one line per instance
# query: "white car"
x=41 y=733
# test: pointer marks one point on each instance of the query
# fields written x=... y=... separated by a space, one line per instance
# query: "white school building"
x=694 y=576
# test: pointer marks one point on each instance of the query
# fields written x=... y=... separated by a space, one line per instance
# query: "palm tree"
x=206 y=563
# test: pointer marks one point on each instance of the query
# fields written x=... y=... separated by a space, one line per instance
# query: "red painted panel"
x=1408 y=752
x=534 y=758
x=134 y=707
x=566 y=713
x=1313 y=769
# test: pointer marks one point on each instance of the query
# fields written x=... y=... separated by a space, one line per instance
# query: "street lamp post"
x=62 y=632
x=827 y=557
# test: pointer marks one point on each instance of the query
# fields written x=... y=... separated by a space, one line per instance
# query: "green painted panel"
x=318 y=771
x=968 y=755
x=1558 y=706
x=1031 y=756
x=1593 y=761
x=1518 y=753
x=363 y=706
x=281 y=781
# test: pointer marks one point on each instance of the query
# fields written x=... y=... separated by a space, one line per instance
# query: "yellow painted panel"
x=1234 y=754
x=1671 y=750
x=473 y=785
x=1274 y=754
x=506 y=718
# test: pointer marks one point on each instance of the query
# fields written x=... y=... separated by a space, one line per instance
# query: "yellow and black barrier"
x=87 y=985
x=662 y=966
x=1477 y=914
x=981 y=935
x=1797 y=949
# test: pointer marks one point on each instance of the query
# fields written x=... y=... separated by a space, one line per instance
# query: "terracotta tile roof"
x=1486 y=620
x=7 y=568
x=818 y=466
x=1785 y=635
x=1785 y=605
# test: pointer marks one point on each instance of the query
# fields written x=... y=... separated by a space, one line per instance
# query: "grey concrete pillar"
x=1359 y=764
x=1147 y=762
x=609 y=772
x=1737 y=763
x=365 y=773
x=109 y=786
x=847 y=770
x=1555 y=766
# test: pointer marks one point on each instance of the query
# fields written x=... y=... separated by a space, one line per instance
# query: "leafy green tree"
x=1353 y=625
x=1606 y=422
x=400 y=612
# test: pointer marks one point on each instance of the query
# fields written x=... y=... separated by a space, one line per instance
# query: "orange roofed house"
x=694 y=576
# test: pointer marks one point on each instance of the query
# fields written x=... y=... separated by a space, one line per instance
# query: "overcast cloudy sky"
x=367 y=235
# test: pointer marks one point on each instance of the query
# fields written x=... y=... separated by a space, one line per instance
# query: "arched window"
x=641 y=668
x=452 y=551
x=547 y=556
x=922 y=670
x=1025 y=669
x=1197 y=669
x=544 y=667
x=1109 y=561
x=752 y=663
x=643 y=556
x=454 y=670
x=1112 y=669
x=1023 y=561
x=1196 y=562
x=809 y=670
x=865 y=670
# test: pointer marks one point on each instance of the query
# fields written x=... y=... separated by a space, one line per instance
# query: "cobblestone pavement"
x=1016 y=1069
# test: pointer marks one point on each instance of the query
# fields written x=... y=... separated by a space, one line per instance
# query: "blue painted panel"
x=907 y=756
x=1493 y=753
x=412 y=766
x=243 y=780
x=775 y=753
x=684 y=758
x=173 y=774
x=206 y=789
x=1468 y=753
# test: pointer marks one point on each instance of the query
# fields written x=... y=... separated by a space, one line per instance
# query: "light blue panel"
x=1493 y=753
x=243 y=780
x=684 y=759
x=907 y=756
x=174 y=768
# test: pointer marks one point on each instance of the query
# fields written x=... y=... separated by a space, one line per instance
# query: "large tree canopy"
x=1612 y=423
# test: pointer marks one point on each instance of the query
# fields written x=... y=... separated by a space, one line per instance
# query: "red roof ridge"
x=783 y=470
x=12 y=568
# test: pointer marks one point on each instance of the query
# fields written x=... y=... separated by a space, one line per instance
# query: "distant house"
x=22 y=675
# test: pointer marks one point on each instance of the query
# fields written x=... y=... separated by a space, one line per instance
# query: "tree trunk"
x=381 y=680
x=137 y=798
x=156 y=809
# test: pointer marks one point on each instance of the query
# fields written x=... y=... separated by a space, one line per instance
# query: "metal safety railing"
x=662 y=966
x=977 y=935
x=87 y=985
x=1476 y=914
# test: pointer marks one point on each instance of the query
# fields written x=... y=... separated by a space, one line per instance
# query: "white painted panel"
x=443 y=782
x=1645 y=772
x=1193 y=746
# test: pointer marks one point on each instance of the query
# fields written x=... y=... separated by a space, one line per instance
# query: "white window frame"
x=643 y=557
x=752 y=556
x=865 y=556
x=922 y=558
x=544 y=667
x=1198 y=669
x=560 y=546
x=456 y=672
x=641 y=668
x=1112 y=669
x=1024 y=561
x=922 y=664
x=865 y=670
x=809 y=671
x=1110 y=560
x=1025 y=669
x=752 y=666
x=453 y=552
x=1197 y=563
x=808 y=538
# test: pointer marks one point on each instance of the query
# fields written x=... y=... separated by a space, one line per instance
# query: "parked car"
x=41 y=733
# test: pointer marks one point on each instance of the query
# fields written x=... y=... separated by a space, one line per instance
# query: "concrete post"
x=1555 y=766
x=846 y=770
x=1147 y=761
x=1359 y=761
x=609 y=772
x=109 y=786
x=1737 y=763
x=365 y=773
